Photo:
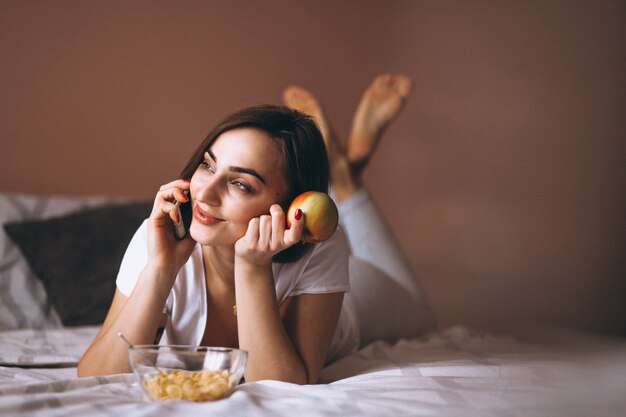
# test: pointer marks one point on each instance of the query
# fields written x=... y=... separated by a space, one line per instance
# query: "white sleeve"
x=134 y=261
x=327 y=268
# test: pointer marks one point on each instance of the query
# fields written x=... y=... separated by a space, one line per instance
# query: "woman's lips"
x=203 y=217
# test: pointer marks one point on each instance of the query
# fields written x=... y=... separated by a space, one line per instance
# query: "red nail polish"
x=298 y=214
x=186 y=197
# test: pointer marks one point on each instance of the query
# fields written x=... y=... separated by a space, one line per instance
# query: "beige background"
x=503 y=178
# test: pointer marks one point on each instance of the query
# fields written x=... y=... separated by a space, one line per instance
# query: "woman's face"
x=242 y=175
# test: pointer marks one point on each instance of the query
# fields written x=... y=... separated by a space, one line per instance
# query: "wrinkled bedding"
x=455 y=372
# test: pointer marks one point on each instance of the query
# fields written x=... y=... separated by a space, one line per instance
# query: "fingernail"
x=187 y=181
x=298 y=214
x=186 y=198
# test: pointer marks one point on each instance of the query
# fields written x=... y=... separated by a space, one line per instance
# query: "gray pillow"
x=77 y=256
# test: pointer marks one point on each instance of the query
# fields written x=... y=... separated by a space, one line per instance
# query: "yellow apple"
x=320 y=215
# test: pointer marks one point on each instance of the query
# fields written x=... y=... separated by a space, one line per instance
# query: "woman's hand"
x=267 y=235
x=164 y=250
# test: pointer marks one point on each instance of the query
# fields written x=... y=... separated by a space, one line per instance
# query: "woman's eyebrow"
x=240 y=170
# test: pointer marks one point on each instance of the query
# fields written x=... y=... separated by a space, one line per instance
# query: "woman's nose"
x=208 y=192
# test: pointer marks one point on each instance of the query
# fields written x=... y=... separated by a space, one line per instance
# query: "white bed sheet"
x=456 y=372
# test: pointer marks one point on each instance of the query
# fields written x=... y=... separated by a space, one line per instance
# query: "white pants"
x=387 y=298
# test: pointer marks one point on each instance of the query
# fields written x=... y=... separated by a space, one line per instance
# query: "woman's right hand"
x=165 y=252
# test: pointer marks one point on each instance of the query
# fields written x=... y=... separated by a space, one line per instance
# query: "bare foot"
x=341 y=178
x=380 y=104
x=302 y=100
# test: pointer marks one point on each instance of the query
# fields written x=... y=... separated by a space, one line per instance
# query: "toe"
x=403 y=85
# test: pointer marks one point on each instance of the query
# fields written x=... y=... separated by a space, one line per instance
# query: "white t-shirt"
x=322 y=269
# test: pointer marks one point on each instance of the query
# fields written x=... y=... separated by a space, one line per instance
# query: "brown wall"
x=503 y=178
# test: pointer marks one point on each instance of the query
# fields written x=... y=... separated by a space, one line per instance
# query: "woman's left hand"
x=267 y=235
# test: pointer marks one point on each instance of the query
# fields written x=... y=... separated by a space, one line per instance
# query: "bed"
x=456 y=371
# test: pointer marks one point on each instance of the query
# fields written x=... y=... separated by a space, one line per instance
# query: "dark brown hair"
x=301 y=145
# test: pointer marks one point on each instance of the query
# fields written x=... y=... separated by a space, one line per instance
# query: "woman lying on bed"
x=291 y=314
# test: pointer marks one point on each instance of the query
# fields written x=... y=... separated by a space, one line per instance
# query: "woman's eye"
x=241 y=186
x=207 y=166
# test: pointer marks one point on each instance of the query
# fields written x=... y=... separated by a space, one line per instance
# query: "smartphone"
x=181 y=229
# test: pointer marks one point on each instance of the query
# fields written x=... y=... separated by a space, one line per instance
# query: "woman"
x=288 y=296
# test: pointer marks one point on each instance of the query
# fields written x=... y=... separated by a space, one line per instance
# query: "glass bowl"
x=192 y=373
